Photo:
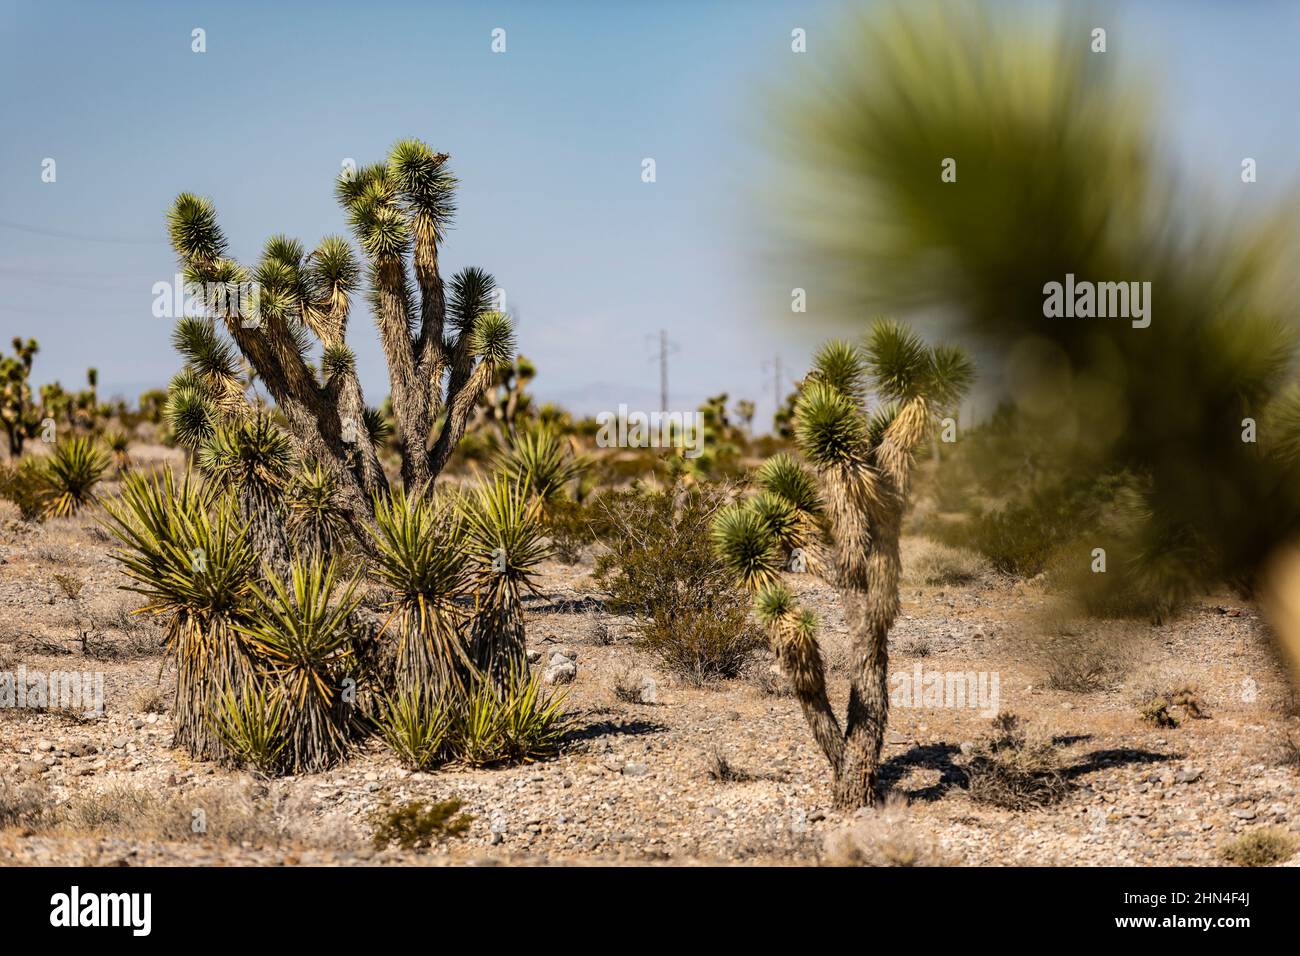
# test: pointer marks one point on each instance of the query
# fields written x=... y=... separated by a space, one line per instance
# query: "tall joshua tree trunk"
x=843 y=522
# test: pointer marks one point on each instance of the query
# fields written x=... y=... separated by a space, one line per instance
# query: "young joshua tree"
x=843 y=522
x=443 y=342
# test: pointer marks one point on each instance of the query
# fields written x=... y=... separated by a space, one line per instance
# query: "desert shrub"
x=1008 y=770
x=22 y=804
x=765 y=674
x=1157 y=706
x=150 y=700
x=24 y=485
x=932 y=562
x=418 y=825
x=1262 y=846
x=884 y=837
x=598 y=629
x=722 y=770
x=703 y=643
x=569 y=526
x=1081 y=663
x=661 y=566
x=70 y=585
x=219 y=812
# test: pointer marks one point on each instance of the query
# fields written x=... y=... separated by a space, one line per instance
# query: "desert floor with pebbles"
x=656 y=770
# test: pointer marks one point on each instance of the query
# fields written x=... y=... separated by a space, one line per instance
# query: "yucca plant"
x=188 y=553
x=515 y=720
x=119 y=446
x=420 y=558
x=70 y=475
x=504 y=537
x=252 y=458
x=543 y=464
x=416 y=725
x=252 y=727
x=844 y=522
x=299 y=627
x=316 y=525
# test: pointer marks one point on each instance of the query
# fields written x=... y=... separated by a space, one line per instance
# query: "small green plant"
x=419 y=825
x=1262 y=846
x=516 y=723
x=252 y=727
x=416 y=726
x=25 y=486
x=1157 y=706
x=543 y=464
x=315 y=522
x=70 y=476
x=119 y=445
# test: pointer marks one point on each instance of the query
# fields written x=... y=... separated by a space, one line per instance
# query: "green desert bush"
x=24 y=485
x=418 y=825
x=661 y=567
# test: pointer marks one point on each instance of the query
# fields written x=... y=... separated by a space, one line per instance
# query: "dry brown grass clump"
x=926 y=561
x=1263 y=846
x=23 y=804
x=1010 y=771
x=221 y=813
x=884 y=837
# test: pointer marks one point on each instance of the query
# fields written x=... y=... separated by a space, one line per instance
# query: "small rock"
x=635 y=770
x=649 y=691
x=560 y=673
x=44 y=745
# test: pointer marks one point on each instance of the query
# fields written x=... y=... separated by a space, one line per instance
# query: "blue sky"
x=547 y=140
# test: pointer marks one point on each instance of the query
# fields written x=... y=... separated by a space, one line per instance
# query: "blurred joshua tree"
x=20 y=417
x=431 y=332
x=505 y=401
x=960 y=158
x=843 y=522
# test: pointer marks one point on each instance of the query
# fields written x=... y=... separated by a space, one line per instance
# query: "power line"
x=79 y=237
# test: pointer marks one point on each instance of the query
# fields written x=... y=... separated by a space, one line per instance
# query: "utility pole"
x=663 y=370
x=664 y=349
x=778 y=383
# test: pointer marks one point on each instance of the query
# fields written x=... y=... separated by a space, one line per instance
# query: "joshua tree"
x=431 y=333
x=505 y=401
x=16 y=409
x=843 y=522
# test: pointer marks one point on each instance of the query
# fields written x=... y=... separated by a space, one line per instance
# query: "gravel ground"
x=633 y=782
